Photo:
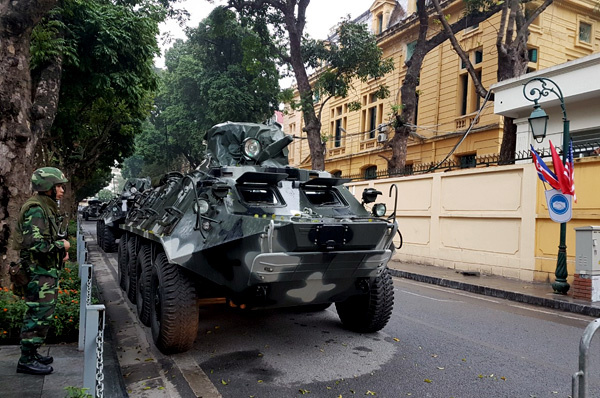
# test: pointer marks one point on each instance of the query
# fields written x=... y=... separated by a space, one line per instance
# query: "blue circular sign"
x=559 y=204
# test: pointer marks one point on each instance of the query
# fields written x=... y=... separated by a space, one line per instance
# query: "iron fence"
x=581 y=149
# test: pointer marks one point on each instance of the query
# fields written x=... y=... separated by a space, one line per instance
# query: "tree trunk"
x=17 y=142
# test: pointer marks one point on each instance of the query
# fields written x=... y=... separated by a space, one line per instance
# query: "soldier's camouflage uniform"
x=41 y=253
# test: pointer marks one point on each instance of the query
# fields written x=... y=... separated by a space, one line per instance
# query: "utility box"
x=587 y=263
x=587 y=250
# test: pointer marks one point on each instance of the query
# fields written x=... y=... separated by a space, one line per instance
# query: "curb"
x=554 y=303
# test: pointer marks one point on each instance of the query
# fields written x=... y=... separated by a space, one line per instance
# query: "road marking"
x=548 y=312
x=454 y=291
x=427 y=297
x=195 y=376
x=529 y=307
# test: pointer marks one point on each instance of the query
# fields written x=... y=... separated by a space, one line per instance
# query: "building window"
x=467 y=161
x=532 y=54
x=380 y=23
x=338 y=133
x=464 y=91
x=371 y=172
x=468 y=99
x=337 y=174
x=585 y=32
x=410 y=49
x=338 y=126
x=372 y=121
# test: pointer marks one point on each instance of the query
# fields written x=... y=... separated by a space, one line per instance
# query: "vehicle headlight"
x=201 y=206
x=114 y=209
x=251 y=148
x=133 y=190
x=378 y=210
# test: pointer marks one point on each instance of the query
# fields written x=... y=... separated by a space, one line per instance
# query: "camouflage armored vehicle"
x=114 y=212
x=92 y=210
x=248 y=230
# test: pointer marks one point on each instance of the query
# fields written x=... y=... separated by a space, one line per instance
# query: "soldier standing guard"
x=41 y=254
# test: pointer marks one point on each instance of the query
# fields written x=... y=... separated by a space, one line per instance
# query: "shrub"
x=66 y=315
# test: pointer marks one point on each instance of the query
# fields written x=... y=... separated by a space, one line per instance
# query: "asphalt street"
x=439 y=343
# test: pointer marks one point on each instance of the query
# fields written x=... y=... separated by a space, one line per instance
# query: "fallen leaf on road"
x=428 y=381
x=223 y=382
x=396 y=339
x=370 y=392
x=303 y=391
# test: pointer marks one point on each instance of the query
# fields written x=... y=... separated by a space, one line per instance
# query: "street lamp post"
x=542 y=87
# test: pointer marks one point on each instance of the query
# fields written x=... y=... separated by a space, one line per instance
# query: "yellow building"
x=448 y=103
x=494 y=219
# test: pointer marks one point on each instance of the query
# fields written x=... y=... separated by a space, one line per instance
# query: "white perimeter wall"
x=477 y=219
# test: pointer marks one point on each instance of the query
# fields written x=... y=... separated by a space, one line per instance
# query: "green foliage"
x=109 y=85
x=132 y=166
x=222 y=72
x=353 y=54
x=76 y=392
x=66 y=314
x=105 y=195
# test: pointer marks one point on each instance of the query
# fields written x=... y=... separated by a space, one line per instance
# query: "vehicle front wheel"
x=174 y=312
x=369 y=312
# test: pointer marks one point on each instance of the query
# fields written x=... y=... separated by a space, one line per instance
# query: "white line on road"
x=479 y=297
x=427 y=297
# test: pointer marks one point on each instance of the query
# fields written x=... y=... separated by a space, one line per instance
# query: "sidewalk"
x=68 y=363
x=535 y=293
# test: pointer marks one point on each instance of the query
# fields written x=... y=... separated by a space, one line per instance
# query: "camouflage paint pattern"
x=40 y=252
x=43 y=179
x=262 y=241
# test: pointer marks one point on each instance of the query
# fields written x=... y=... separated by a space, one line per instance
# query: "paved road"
x=439 y=343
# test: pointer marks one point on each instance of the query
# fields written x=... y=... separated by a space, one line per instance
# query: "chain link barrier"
x=100 y=357
x=92 y=322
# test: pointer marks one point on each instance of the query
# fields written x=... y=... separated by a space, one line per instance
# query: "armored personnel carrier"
x=114 y=212
x=248 y=230
x=92 y=210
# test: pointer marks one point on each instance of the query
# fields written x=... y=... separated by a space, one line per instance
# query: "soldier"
x=41 y=254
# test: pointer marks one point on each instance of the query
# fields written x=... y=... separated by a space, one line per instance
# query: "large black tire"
x=122 y=261
x=174 y=312
x=99 y=232
x=370 y=312
x=109 y=241
x=144 y=269
x=133 y=247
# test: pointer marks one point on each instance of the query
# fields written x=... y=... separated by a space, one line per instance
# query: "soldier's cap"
x=44 y=178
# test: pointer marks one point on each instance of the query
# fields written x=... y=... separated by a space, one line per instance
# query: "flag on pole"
x=564 y=172
x=570 y=173
x=544 y=172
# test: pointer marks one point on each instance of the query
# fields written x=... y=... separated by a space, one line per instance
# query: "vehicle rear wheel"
x=109 y=242
x=123 y=259
x=370 y=312
x=174 y=312
x=133 y=247
x=99 y=232
x=144 y=269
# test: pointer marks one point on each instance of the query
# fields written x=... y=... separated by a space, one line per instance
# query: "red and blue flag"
x=543 y=171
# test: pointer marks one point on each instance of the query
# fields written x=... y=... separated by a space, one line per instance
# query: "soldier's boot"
x=44 y=360
x=33 y=367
